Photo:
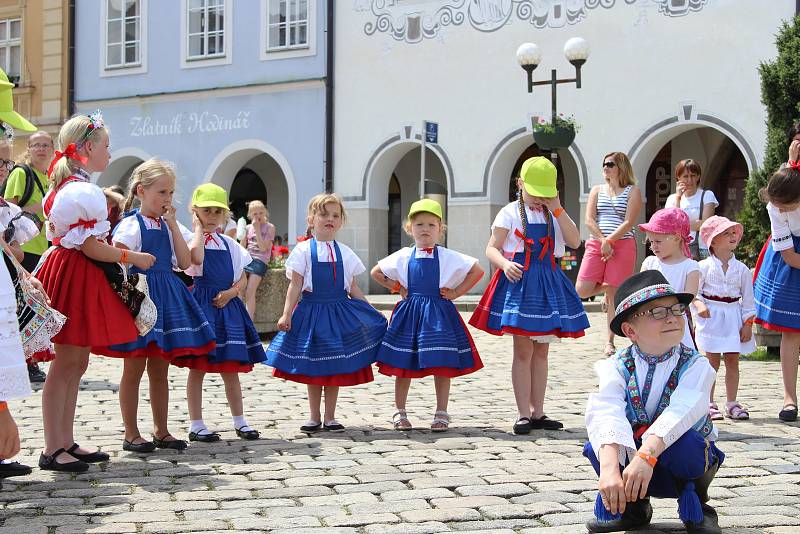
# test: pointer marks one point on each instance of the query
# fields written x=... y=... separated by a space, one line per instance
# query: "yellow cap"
x=7 y=113
x=427 y=205
x=539 y=176
x=210 y=196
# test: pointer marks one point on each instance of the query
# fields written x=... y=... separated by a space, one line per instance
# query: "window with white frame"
x=287 y=24
x=123 y=34
x=205 y=35
x=11 y=47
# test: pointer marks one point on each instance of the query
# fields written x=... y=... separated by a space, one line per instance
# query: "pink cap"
x=670 y=221
x=715 y=225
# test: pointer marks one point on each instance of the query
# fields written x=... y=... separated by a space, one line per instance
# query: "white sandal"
x=401 y=422
x=440 y=417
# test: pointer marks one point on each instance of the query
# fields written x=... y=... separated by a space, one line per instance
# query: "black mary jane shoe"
x=310 y=427
x=333 y=426
x=522 y=426
x=14 y=469
x=247 y=434
x=48 y=463
x=145 y=446
x=204 y=438
x=175 y=444
x=89 y=458
x=636 y=515
x=545 y=423
x=709 y=525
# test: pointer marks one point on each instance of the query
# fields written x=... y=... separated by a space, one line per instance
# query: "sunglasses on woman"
x=609 y=165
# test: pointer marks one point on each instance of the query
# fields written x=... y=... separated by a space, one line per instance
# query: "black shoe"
x=48 y=463
x=636 y=515
x=89 y=458
x=309 y=428
x=788 y=414
x=205 y=438
x=522 y=426
x=247 y=434
x=130 y=446
x=36 y=375
x=709 y=525
x=14 y=469
x=333 y=426
x=176 y=444
x=545 y=423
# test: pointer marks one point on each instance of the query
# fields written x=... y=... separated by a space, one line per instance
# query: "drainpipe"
x=71 y=60
x=329 y=98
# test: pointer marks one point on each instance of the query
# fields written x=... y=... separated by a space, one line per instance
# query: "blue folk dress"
x=776 y=290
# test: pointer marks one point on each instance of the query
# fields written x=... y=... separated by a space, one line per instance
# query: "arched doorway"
x=252 y=169
x=120 y=168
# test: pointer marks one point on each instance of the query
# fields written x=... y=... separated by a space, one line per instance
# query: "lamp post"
x=529 y=56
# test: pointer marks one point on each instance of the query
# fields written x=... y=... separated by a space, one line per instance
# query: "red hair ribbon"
x=548 y=243
x=528 y=244
x=71 y=152
x=793 y=165
x=83 y=223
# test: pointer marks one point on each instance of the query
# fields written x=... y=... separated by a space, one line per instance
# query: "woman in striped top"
x=610 y=255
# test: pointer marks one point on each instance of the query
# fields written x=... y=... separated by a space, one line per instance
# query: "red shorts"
x=617 y=269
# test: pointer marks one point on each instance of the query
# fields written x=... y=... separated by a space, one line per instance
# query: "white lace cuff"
x=75 y=237
x=615 y=436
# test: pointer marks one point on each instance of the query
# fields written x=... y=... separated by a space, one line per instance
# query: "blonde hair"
x=5 y=143
x=253 y=204
x=146 y=174
x=73 y=131
x=626 y=176
x=317 y=205
x=408 y=222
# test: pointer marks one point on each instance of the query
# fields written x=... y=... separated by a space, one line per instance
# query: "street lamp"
x=529 y=56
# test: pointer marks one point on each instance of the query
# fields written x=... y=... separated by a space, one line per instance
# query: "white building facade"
x=666 y=80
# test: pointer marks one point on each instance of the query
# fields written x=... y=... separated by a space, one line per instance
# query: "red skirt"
x=78 y=288
x=202 y=364
x=362 y=376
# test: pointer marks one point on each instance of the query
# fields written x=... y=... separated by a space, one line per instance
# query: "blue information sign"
x=432 y=132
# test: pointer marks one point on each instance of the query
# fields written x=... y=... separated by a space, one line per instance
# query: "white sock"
x=240 y=423
x=199 y=427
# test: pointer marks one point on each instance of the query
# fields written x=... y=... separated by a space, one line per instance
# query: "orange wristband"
x=123 y=258
x=3 y=406
x=396 y=287
x=651 y=460
x=557 y=213
x=750 y=321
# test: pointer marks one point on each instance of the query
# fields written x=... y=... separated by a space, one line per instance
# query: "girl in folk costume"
x=77 y=287
x=725 y=309
x=331 y=337
x=181 y=328
x=777 y=281
x=529 y=296
x=668 y=236
x=426 y=334
x=258 y=240
x=218 y=269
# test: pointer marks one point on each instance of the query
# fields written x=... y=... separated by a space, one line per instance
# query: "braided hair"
x=524 y=217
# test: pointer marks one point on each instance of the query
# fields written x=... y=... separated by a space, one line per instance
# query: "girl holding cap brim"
x=426 y=335
x=529 y=296
x=218 y=264
x=181 y=328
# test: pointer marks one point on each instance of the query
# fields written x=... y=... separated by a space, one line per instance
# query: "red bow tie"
x=429 y=250
x=209 y=237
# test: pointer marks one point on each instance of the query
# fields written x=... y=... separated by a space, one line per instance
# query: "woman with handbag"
x=610 y=255
x=698 y=203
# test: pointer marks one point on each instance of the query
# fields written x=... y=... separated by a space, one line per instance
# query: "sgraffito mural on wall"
x=412 y=21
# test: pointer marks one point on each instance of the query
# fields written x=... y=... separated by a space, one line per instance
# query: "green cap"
x=7 y=113
x=539 y=176
x=426 y=205
x=210 y=196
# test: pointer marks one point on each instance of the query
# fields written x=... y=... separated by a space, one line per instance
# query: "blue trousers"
x=686 y=459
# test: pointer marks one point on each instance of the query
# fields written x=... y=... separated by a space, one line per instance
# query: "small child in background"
x=258 y=242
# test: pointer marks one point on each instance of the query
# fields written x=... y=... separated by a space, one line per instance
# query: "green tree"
x=780 y=94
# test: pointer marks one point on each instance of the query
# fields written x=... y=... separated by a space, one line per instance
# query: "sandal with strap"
x=88 y=457
x=736 y=411
x=713 y=412
x=610 y=350
x=48 y=463
x=250 y=434
x=788 y=413
x=176 y=444
x=400 y=421
x=441 y=421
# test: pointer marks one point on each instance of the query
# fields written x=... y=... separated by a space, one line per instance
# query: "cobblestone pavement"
x=370 y=479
